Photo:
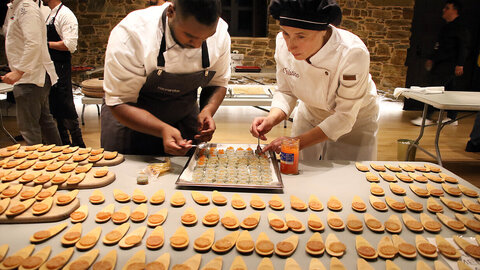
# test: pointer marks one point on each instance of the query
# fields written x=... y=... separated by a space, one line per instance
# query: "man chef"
x=62 y=35
x=156 y=59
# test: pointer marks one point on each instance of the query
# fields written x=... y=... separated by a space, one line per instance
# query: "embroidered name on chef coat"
x=349 y=77
x=290 y=72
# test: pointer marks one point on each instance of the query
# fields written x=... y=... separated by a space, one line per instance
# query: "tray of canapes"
x=231 y=166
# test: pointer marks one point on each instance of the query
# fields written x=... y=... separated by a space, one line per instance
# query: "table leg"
x=83 y=111
x=5 y=130
x=422 y=128
x=440 y=126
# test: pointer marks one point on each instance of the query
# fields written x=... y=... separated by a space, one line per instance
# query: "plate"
x=202 y=177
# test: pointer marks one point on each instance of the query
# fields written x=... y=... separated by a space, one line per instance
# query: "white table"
x=320 y=178
x=449 y=100
x=5 y=88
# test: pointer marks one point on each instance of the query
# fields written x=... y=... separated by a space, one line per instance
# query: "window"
x=246 y=18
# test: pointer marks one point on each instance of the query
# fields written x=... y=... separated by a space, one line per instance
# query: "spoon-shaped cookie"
x=134 y=238
x=89 y=240
x=44 y=235
x=276 y=202
x=84 y=261
x=226 y=243
x=425 y=248
x=115 y=235
x=157 y=218
x=205 y=241
x=72 y=235
x=334 y=247
x=36 y=260
x=264 y=246
x=430 y=224
x=386 y=249
x=287 y=246
x=162 y=262
x=179 y=240
x=405 y=249
x=315 y=245
x=105 y=214
x=245 y=243
x=58 y=261
x=364 y=248
x=446 y=249
x=393 y=224
x=251 y=221
x=158 y=197
x=156 y=239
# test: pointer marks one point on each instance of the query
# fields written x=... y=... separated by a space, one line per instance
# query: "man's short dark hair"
x=456 y=4
x=205 y=11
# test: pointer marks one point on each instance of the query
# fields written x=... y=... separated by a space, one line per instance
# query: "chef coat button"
x=326 y=73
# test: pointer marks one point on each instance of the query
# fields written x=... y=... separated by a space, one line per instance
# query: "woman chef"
x=156 y=59
x=327 y=69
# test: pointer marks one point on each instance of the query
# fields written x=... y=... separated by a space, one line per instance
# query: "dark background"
x=426 y=23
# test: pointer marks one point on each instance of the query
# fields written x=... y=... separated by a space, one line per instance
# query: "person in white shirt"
x=327 y=69
x=43 y=10
x=156 y=59
x=29 y=62
x=62 y=36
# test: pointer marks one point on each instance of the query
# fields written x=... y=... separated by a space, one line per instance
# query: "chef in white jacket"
x=327 y=70
x=156 y=60
x=32 y=72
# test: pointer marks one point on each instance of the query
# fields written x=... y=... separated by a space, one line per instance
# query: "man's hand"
x=458 y=71
x=428 y=65
x=261 y=126
x=173 y=142
x=12 y=77
x=206 y=127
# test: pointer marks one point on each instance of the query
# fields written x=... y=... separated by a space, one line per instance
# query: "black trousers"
x=443 y=74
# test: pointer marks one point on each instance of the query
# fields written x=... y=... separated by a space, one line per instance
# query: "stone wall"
x=96 y=18
x=384 y=26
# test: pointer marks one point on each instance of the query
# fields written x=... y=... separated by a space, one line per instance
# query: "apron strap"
x=163 y=46
x=53 y=20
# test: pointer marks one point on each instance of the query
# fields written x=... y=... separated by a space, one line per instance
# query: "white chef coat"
x=133 y=48
x=66 y=25
x=43 y=10
x=26 y=44
x=336 y=92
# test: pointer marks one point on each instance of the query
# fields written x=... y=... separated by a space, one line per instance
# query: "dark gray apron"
x=171 y=98
x=61 y=95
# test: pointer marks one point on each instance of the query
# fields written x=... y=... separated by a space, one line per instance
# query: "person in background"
x=156 y=60
x=327 y=69
x=62 y=36
x=449 y=55
x=29 y=62
x=473 y=145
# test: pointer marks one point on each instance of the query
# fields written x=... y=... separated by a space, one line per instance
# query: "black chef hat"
x=306 y=14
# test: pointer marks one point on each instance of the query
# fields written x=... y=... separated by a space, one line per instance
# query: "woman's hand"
x=275 y=145
x=261 y=126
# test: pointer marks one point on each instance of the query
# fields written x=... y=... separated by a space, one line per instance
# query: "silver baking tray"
x=186 y=177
